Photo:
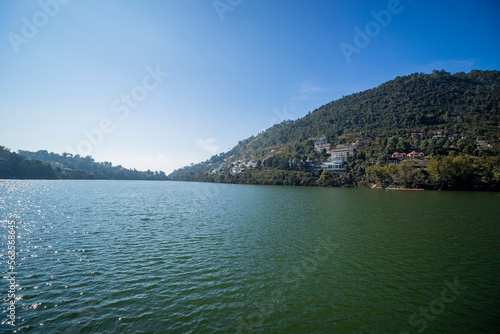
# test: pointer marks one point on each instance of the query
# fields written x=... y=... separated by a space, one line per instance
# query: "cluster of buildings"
x=482 y=144
x=337 y=158
x=333 y=165
x=65 y=171
x=412 y=155
x=321 y=143
x=236 y=167
x=240 y=165
x=338 y=155
x=443 y=135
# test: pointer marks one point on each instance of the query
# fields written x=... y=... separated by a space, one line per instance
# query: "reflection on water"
x=173 y=257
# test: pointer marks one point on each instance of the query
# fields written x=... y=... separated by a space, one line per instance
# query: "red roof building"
x=415 y=154
x=397 y=155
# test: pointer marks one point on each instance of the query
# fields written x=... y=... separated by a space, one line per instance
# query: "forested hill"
x=45 y=165
x=453 y=115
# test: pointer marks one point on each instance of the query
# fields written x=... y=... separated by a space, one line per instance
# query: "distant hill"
x=15 y=166
x=449 y=116
x=45 y=165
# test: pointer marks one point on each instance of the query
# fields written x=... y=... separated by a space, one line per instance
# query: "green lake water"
x=175 y=257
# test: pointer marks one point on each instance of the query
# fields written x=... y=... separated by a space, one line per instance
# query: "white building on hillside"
x=335 y=165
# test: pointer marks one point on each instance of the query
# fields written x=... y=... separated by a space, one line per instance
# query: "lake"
x=176 y=257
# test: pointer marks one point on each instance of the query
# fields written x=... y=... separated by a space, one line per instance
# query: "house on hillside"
x=416 y=155
x=320 y=143
x=342 y=151
x=341 y=154
x=397 y=155
x=237 y=169
x=335 y=165
x=312 y=166
x=482 y=144
x=252 y=164
x=412 y=155
x=439 y=135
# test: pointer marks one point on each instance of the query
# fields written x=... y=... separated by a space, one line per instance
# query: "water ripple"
x=163 y=257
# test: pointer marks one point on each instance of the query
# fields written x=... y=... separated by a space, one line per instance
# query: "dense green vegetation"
x=15 y=166
x=45 y=165
x=457 y=118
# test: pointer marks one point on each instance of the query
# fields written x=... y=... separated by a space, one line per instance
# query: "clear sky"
x=161 y=84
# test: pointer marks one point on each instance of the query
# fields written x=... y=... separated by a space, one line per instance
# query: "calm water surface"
x=174 y=257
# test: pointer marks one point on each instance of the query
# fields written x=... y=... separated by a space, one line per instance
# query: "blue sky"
x=161 y=84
